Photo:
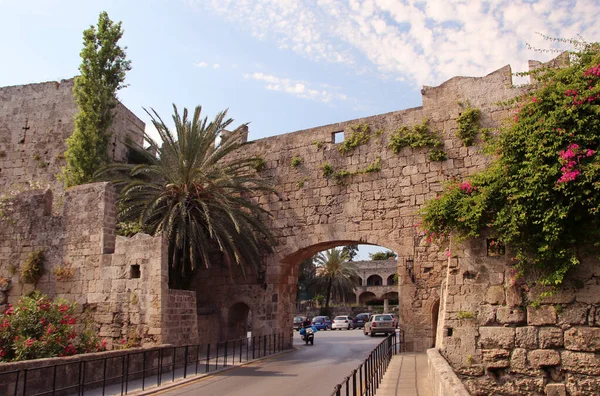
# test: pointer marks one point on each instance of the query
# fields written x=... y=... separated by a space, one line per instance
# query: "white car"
x=342 y=322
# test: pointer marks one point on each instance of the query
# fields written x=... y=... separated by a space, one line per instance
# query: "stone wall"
x=122 y=283
x=180 y=318
x=311 y=213
x=35 y=121
x=502 y=338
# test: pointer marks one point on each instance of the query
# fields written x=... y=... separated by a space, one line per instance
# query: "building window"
x=135 y=272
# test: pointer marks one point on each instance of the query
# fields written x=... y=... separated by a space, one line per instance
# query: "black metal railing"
x=365 y=379
x=137 y=370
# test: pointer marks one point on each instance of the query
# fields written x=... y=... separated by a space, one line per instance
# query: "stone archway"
x=237 y=321
x=365 y=297
x=374 y=280
x=391 y=280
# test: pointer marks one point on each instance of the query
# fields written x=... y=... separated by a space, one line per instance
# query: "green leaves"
x=540 y=195
x=198 y=193
x=102 y=74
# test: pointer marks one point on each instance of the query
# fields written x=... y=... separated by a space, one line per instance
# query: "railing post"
x=24 y=382
x=354 y=383
x=225 y=358
x=253 y=341
x=159 y=371
x=217 y=357
x=104 y=377
x=174 y=358
x=208 y=358
x=185 y=362
x=265 y=346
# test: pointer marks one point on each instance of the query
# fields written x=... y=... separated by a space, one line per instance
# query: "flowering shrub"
x=541 y=194
x=33 y=268
x=38 y=327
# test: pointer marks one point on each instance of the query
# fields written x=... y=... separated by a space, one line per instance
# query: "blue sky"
x=286 y=65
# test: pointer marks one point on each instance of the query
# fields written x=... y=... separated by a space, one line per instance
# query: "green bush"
x=327 y=169
x=33 y=268
x=541 y=194
x=468 y=125
x=38 y=327
x=296 y=161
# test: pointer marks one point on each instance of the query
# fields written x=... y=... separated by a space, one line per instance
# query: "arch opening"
x=374 y=280
x=238 y=321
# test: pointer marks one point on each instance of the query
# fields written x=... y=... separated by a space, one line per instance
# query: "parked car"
x=395 y=318
x=298 y=320
x=379 y=323
x=322 y=322
x=360 y=319
x=342 y=322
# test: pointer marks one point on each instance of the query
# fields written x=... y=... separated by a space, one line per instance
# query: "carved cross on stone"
x=25 y=129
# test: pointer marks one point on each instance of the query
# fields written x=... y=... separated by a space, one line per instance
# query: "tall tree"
x=197 y=194
x=335 y=274
x=103 y=68
x=384 y=255
x=351 y=251
x=306 y=276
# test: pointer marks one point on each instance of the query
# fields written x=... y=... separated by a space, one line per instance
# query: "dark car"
x=359 y=321
x=322 y=322
x=298 y=320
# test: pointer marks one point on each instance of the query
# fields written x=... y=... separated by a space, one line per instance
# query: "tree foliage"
x=103 y=68
x=197 y=194
x=351 y=251
x=541 y=194
x=385 y=255
x=335 y=274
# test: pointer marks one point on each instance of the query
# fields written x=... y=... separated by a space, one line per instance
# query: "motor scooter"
x=308 y=335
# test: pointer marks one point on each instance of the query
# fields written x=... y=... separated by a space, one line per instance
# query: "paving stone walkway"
x=406 y=376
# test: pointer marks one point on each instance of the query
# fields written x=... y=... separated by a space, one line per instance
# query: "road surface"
x=308 y=370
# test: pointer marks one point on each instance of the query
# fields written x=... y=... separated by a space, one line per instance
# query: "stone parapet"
x=442 y=378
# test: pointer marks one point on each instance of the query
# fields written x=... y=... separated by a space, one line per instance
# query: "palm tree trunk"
x=329 y=285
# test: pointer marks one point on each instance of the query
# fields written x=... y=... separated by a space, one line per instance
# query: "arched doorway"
x=366 y=297
x=391 y=280
x=238 y=321
x=374 y=280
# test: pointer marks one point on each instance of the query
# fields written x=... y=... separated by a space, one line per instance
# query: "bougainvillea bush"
x=541 y=194
x=38 y=327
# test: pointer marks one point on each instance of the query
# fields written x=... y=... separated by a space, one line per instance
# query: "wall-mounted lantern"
x=260 y=277
x=409 y=263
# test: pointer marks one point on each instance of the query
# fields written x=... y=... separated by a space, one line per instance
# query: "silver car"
x=382 y=323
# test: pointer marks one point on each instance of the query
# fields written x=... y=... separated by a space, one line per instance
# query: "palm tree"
x=193 y=191
x=334 y=274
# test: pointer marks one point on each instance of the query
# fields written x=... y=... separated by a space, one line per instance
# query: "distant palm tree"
x=196 y=194
x=335 y=274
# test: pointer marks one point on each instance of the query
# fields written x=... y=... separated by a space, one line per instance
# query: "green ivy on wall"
x=359 y=134
x=417 y=136
x=468 y=125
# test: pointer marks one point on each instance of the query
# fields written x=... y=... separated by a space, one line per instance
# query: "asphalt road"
x=309 y=370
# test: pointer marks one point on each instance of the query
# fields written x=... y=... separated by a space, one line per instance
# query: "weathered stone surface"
x=496 y=337
x=518 y=358
x=507 y=315
x=514 y=298
x=581 y=362
x=486 y=315
x=495 y=358
x=504 y=385
x=574 y=314
x=495 y=295
x=556 y=390
x=543 y=358
x=544 y=315
x=582 y=385
x=583 y=339
x=551 y=337
x=526 y=337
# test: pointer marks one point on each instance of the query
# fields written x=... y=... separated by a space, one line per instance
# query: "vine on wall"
x=468 y=125
x=360 y=134
x=418 y=136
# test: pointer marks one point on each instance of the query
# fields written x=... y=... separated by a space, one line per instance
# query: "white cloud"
x=302 y=89
x=216 y=66
x=423 y=42
x=201 y=64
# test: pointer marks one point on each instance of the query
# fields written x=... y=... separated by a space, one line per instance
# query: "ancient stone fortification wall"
x=120 y=282
x=499 y=342
x=312 y=212
x=35 y=121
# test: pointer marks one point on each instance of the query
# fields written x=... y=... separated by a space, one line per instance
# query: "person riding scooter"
x=308 y=332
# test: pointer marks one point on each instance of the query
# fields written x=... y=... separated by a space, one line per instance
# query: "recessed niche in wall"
x=495 y=248
x=337 y=137
x=135 y=272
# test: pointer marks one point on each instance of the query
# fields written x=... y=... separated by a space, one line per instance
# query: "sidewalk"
x=406 y=376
